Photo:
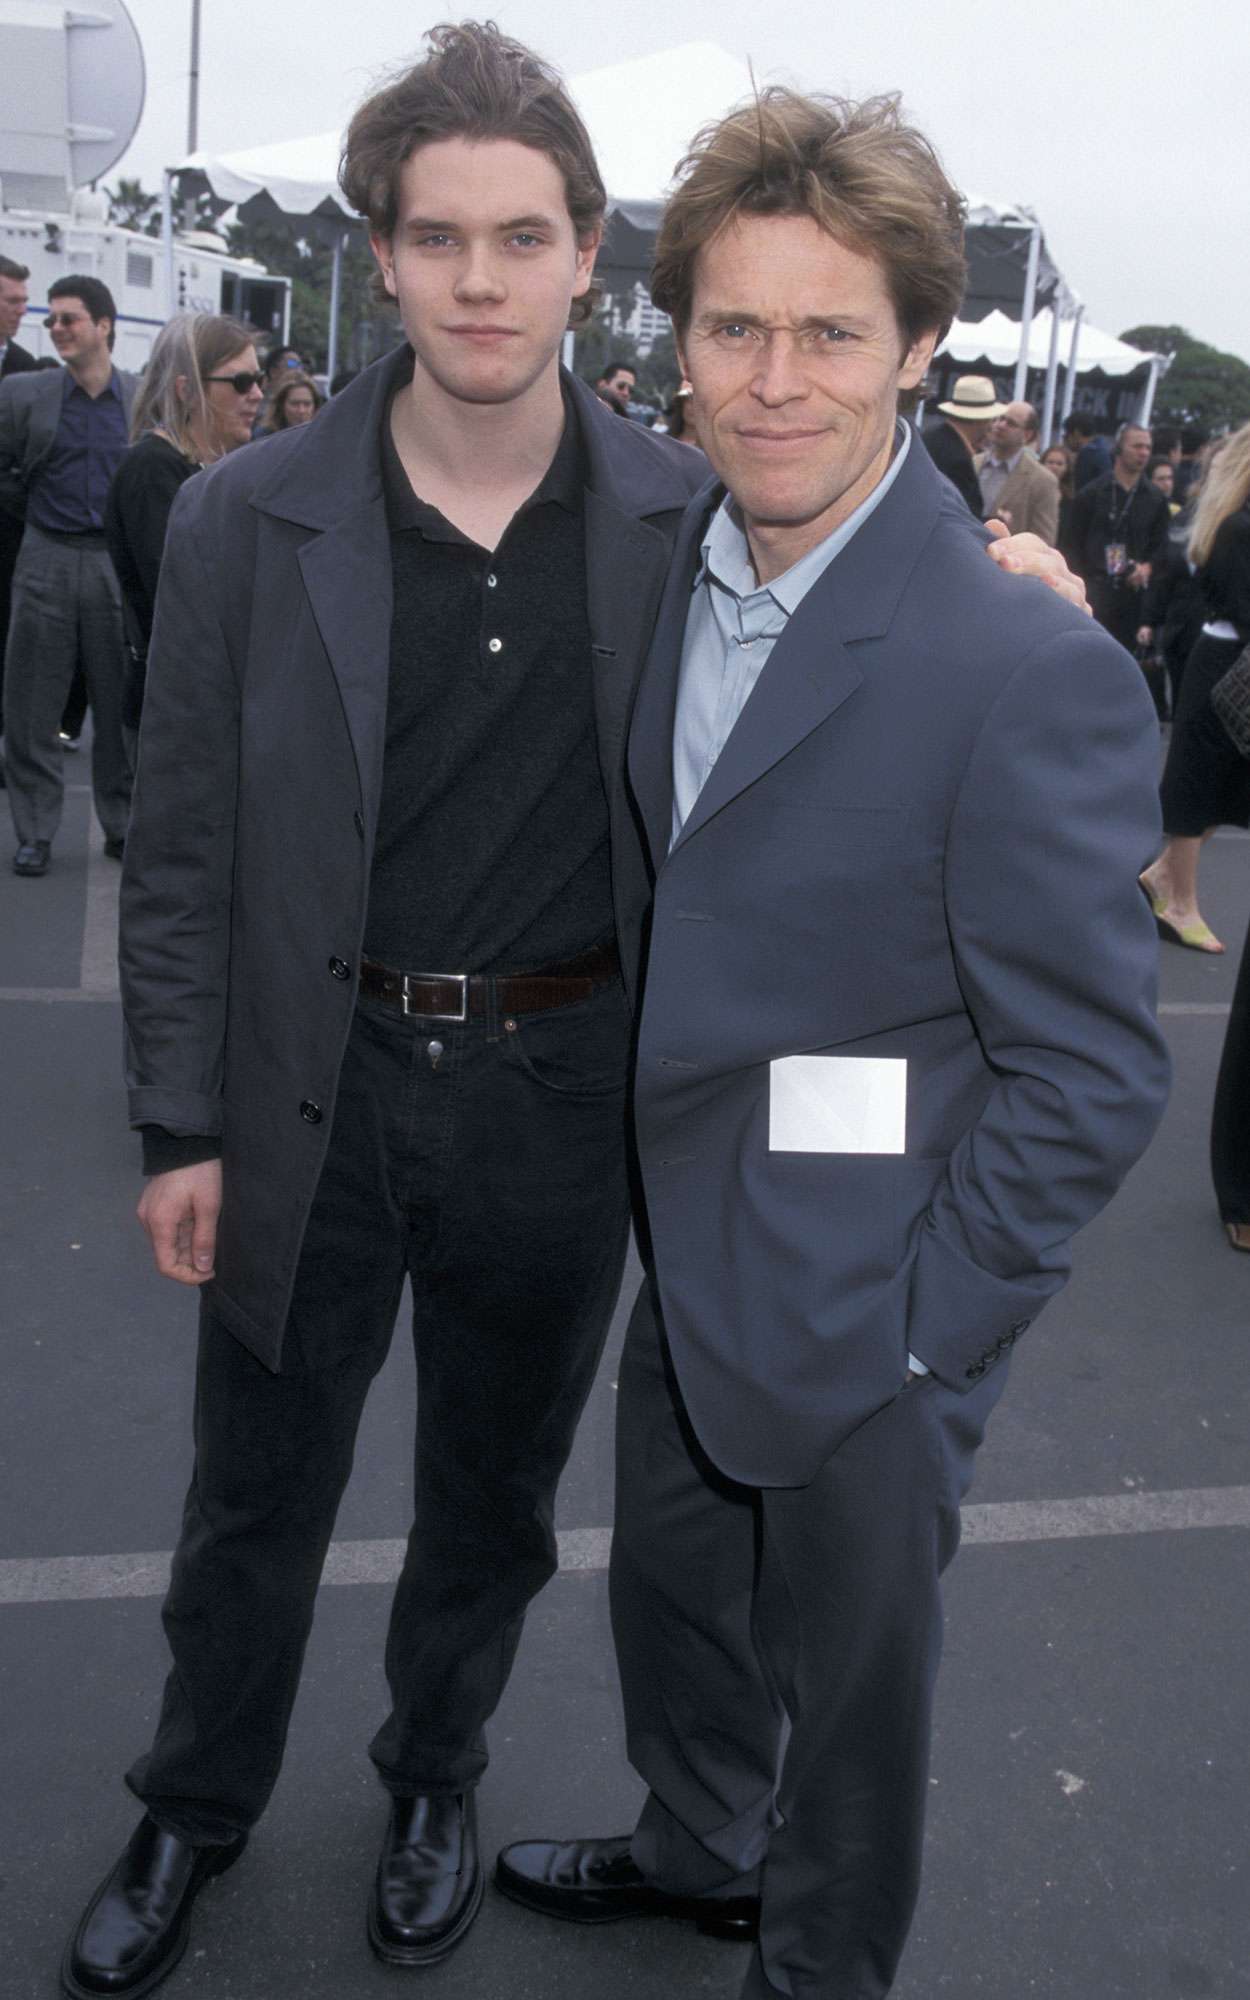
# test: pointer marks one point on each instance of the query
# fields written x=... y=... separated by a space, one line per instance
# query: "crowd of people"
x=1158 y=526
x=736 y=807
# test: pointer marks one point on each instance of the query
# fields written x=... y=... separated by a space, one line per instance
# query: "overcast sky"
x=1124 y=127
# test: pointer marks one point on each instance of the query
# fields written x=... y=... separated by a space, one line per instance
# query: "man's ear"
x=916 y=360
x=587 y=250
x=384 y=258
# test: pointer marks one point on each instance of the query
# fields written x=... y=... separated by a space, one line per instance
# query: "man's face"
x=485 y=264
x=13 y=302
x=620 y=384
x=796 y=361
x=1133 y=451
x=1164 y=479
x=77 y=337
x=1012 y=430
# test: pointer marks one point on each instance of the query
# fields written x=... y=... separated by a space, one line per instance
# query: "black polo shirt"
x=492 y=841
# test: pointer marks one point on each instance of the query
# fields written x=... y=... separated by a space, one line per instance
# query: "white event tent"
x=642 y=114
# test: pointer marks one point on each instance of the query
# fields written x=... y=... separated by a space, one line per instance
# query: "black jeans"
x=487 y=1163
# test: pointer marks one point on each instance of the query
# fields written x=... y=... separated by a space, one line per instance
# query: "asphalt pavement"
x=1090 y=1809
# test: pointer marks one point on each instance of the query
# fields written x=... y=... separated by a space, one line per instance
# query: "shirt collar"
x=726 y=555
x=563 y=482
x=1007 y=464
x=70 y=387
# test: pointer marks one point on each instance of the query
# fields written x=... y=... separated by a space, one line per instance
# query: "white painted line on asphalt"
x=1222 y=1007
x=98 y=971
x=59 y=1579
x=53 y=994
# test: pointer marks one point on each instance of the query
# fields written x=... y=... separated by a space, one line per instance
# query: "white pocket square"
x=837 y=1104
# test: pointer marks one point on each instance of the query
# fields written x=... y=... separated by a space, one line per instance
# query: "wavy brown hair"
x=475 y=83
x=872 y=181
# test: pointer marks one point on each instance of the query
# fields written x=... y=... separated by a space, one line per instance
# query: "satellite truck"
x=71 y=96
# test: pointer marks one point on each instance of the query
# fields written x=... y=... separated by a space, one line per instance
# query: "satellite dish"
x=106 y=82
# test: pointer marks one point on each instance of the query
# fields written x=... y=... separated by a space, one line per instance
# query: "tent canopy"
x=995 y=341
x=681 y=89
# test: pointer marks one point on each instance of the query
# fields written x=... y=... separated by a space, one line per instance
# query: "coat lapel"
x=651 y=736
x=347 y=575
x=626 y=562
x=331 y=484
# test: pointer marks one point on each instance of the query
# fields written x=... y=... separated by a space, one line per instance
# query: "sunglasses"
x=247 y=378
x=66 y=319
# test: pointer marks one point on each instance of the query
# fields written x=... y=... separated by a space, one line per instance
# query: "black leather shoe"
x=32 y=857
x=135 y=1927
x=597 y=1882
x=428 y=1887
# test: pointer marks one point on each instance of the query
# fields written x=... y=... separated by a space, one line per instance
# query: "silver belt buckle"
x=459 y=978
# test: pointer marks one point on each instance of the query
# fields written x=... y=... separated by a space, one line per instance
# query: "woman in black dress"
x=198 y=400
x=1205 y=782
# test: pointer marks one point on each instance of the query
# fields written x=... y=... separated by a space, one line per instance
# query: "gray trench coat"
x=248 y=858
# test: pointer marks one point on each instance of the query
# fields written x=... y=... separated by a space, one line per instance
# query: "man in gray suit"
x=62 y=437
x=873 y=1101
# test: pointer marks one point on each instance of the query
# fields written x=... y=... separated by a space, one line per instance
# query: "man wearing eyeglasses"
x=62 y=437
x=1015 y=486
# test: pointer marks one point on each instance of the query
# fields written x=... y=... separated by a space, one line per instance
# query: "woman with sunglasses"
x=198 y=400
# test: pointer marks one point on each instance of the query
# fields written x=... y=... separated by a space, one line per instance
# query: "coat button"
x=340 y=969
x=310 y=1112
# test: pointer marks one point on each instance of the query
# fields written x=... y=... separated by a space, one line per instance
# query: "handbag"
x=1230 y=698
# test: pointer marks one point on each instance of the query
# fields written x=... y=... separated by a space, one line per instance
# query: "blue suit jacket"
x=920 y=842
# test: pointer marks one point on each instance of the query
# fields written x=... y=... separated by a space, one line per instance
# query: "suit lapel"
x=810 y=673
x=45 y=415
x=808 y=676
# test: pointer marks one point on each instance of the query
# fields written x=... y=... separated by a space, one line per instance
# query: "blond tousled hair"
x=1225 y=489
x=872 y=181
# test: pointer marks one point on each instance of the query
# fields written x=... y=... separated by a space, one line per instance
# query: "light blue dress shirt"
x=731 y=629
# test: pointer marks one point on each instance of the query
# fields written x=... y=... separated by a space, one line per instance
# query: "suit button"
x=340 y=969
x=976 y=1371
x=310 y=1112
x=359 y=824
x=1020 y=1326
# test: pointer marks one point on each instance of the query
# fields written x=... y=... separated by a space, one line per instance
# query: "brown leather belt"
x=463 y=996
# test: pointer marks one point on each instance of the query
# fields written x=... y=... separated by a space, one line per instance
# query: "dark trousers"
x=1230 y=1119
x=486 y=1163
x=66 y=613
x=778 y=1652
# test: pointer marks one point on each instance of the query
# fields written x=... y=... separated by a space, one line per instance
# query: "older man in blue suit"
x=897 y=1046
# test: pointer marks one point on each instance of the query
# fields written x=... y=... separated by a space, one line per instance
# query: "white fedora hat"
x=973 y=400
